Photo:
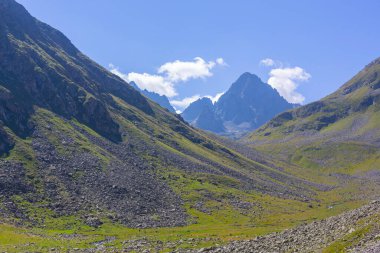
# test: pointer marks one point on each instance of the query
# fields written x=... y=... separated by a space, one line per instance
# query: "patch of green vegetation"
x=57 y=129
x=23 y=153
x=347 y=241
x=340 y=125
x=372 y=124
x=17 y=239
x=333 y=157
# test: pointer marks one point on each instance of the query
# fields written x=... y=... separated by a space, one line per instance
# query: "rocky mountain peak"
x=191 y=113
x=247 y=104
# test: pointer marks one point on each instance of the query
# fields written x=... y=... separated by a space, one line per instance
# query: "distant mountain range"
x=248 y=104
x=162 y=100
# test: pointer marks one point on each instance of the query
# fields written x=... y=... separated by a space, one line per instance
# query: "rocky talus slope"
x=355 y=231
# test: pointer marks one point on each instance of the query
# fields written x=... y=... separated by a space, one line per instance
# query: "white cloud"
x=267 y=62
x=153 y=83
x=183 y=103
x=215 y=98
x=169 y=74
x=184 y=70
x=286 y=81
x=149 y=82
x=221 y=62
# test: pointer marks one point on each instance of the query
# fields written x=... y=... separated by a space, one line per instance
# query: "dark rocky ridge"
x=40 y=67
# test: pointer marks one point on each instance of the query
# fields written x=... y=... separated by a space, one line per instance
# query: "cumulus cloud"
x=184 y=70
x=153 y=83
x=148 y=82
x=180 y=105
x=169 y=74
x=267 y=62
x=286 y=81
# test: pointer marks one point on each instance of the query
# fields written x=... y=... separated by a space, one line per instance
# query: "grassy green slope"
x=335 y=140
x=338 y=132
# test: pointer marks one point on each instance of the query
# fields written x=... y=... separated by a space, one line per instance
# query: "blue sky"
x=328 y=40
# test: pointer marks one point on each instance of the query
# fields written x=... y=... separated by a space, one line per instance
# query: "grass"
x=366 y=227
x=347 y=241
x=54 y=127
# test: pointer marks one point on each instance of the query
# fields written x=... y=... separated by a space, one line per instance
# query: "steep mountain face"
x=162 y=100
x=250 y=101
x=201 y=114
x=191 y=113
x=80 y=147
x=40 y=67
x=209 y=121
x=341 y=131
x=248 y=104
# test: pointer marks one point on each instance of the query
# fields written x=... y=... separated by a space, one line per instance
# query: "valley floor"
x=355 y=229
